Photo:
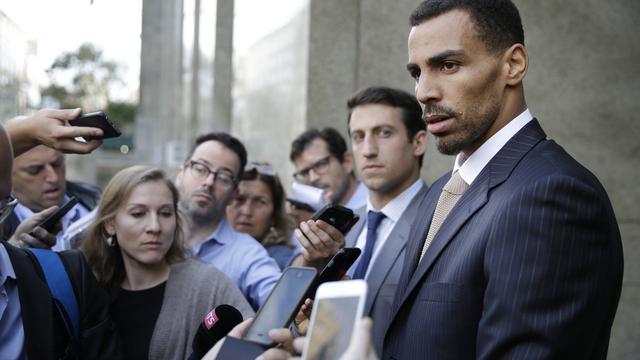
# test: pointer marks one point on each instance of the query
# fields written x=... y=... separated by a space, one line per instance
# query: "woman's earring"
x=111 y=241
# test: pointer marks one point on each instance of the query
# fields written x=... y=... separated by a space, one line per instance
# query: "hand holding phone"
x=100 y=120
x=52 y=220
x=281 y=305
x=337 y=310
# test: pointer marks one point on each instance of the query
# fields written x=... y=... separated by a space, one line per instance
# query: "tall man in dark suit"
x=517 y=253
x=388 y=138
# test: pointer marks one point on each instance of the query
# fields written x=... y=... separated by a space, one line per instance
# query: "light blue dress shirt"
x=243 y=259
x=11 y=330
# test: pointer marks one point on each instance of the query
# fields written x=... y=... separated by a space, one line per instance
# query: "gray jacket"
x=193 y=289
x=387 y=267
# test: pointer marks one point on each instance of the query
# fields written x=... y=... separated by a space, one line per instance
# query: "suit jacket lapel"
x=496 y=172
x=389 y=253
x=352 y=237
x=35 y=305
x=419 y=229
x=392 y=249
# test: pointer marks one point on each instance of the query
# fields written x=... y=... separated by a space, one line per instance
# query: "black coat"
x=44 y=332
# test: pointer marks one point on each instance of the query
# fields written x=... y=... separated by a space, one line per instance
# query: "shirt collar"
x=394 y=208
x=6 y=268
x=219 y=235
x=471 y=167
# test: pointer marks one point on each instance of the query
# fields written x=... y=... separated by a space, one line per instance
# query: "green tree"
x=84 y=78
x=122 y=113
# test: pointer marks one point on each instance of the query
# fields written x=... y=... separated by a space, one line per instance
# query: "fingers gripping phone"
x=337 y=309
x=336 y=268
x=50 y=222
x=100 y=120
x=338 y=216
x=281 y=305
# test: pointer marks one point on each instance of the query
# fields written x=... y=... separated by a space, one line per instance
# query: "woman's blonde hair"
x=106 y=262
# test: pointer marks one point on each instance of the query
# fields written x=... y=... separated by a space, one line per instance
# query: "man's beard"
x=467 y=130
x=201 y=215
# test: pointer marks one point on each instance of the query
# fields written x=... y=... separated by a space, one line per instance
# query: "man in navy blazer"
x=528 y=262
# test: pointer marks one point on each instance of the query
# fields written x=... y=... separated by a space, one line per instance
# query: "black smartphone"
x=50 y=222
x=301 y=205
x=281 y=306
x=338 y=216
x=100 y=120
x=335 y=269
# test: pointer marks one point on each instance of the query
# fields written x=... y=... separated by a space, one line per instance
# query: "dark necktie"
x=373 y=220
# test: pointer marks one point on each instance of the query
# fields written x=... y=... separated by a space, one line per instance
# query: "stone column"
x=159 y=118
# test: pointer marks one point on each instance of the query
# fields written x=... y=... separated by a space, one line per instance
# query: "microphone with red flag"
x=216 y=325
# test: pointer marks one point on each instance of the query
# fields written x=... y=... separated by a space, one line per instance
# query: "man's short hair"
x=229 y=141
x=497 y=21
x=407 y=103
x=336 y=143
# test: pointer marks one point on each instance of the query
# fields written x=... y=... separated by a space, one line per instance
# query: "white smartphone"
x=337 y=309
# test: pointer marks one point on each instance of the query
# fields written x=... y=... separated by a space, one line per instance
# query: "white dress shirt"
x=392 y=211
x=471 y=167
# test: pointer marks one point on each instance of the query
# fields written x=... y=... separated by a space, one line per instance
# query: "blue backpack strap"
x=58 y=281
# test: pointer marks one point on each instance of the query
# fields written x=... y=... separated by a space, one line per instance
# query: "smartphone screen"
x=282 y=304
x=50 y=222
x=332 y=324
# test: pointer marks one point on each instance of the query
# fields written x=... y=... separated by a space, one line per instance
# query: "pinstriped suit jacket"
x=528 y=264
x=386 y=269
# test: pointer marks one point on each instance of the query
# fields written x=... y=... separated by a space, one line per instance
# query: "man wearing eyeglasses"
x=30 y=325
x=207 y=182
x=322 y=160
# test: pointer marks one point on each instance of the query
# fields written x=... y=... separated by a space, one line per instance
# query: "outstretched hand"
x=51 y=128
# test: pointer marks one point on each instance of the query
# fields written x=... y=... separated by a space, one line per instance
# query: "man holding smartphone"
x=39 y=182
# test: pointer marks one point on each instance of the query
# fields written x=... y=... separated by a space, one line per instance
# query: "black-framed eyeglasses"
x=319 y=167
x=221 y=177
x=261 y=168
x=6 y=207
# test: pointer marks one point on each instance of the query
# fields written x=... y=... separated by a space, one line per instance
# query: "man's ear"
x=516 y=63
x=420 y=143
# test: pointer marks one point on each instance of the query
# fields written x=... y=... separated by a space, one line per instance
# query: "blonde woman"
x=134 y=247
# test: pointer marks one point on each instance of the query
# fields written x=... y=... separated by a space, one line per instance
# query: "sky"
x=61 y=26
x=115 y=25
